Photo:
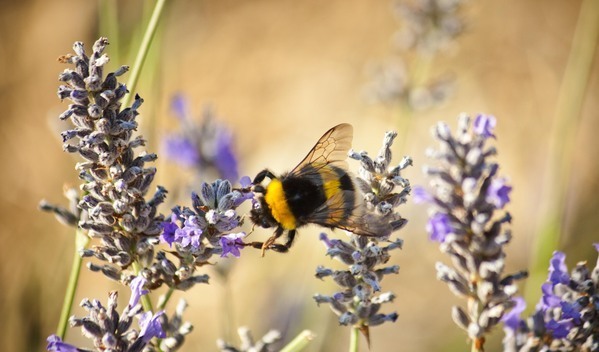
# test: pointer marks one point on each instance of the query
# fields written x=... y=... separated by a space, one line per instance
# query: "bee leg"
x=270 y=243
x=262 y=175
x=284 y=248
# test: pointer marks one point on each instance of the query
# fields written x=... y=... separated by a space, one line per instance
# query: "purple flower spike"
x=232 y=243
x=498 y=193
x=56 y=344
x=137 y=290
x=150 y=326
x=558 y=272
x=439 y=227
x=484 y=125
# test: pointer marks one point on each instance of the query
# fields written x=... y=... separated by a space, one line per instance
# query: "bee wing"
x=338 y=212
x=331 y=148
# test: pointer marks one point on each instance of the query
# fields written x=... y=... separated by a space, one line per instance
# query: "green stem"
x=167 y=297
x=354 y=339
x=299 y=342
x=109 y=27
x=566 y=124
x=143 y=51
x=81 y=241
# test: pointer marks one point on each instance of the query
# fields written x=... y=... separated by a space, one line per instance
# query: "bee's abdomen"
x=303 y=195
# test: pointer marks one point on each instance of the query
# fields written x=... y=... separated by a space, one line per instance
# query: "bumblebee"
x=319 y=190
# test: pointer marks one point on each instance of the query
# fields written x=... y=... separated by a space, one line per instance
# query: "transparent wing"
x=331 y=149
x=339 y=213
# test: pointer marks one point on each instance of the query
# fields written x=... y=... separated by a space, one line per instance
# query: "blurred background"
x=277 y=74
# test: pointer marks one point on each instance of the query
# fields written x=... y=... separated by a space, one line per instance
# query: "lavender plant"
x=206 y=148
x=567 y=315
x=113 y=210
x=359 y=301
x=428 y=27
x=466 y=221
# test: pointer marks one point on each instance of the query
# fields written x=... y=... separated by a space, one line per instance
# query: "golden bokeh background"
x=279 y=74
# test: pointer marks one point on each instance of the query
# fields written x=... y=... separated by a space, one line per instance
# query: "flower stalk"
x=81 y=242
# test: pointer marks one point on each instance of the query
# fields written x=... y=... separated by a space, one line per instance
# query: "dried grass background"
x=280 y=73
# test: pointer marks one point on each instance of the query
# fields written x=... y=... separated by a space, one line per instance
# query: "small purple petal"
x=421 y=195
x=225 y=159
x=169 y=229
x=558 y=271
x=56 y=344
x=232 y=243
x=439 y=227
x=137 y=290
x=559 y=329
x=512 y=319
x=498 y=193
x=596 y=245
x=245 y=181
x=548 y=299
x=150 y=326
x=181 y=150
x=180 y=108
x=484 y=125
x=571 y=311
x=325 y=239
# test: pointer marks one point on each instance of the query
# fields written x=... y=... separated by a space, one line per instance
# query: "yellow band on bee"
x=331 y=188
x=275 y=198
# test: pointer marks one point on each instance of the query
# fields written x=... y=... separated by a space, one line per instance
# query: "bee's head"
x=260 y=214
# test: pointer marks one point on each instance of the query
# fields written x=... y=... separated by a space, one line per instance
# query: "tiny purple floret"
x=439 y=227
x=232 y=243
x=56 y=344
x=137 y=290
x=421 y=195
x=484 y=125
x=498 y=193
x=512 y=319
x=150 y=326
x=169 y=228
x=558 y=271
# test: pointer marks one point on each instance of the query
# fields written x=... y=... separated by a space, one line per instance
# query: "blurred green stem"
x=81 y=242
x=109 y=27
x=354 y=339
x=167 y=297
x=566 y=124
x=299 y=342
x=143 y=51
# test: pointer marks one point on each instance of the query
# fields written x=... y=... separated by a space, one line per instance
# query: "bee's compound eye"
x=257 y=206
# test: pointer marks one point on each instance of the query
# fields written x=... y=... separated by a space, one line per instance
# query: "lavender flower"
x=465 y=201
x=428 y=26
x=56 y=344
x=197 y=234
x=208 y=146
x=567 y=315
x=110 y=330
x=248 y=343
x=137 y=290
x=360 y=299
x=115 y=178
